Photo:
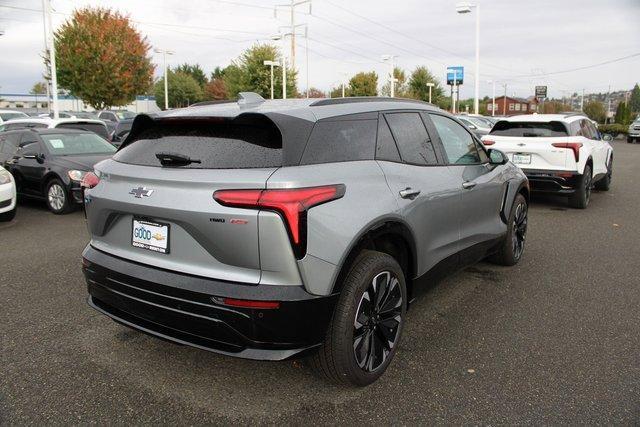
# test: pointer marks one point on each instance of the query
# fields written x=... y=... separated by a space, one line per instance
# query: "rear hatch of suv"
x=530 y=145
x=154 y=203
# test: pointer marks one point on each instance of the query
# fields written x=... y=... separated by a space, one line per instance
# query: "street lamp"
x=164 y=53
x=284 y=64
x=465 y=7
x=392 y=77
x=493 y=102
x=430 y=85
x=272 y=64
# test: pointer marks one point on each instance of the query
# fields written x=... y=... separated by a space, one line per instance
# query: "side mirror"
x=607 y=137
x=497 y=157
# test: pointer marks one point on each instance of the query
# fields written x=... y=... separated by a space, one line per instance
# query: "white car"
x=11 y=114
x=92 y=125
x=7 y=195
x=560 y=153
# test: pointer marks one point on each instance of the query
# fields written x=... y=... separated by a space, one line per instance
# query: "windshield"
x=478 y=122
x=15 y=115
x=122 y=115
x=64 y=144
x=529 y=129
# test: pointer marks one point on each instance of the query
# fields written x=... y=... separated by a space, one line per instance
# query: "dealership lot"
x=555 y=338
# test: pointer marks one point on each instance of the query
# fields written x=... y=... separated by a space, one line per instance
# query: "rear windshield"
x=97 y=128
x=214 y=145
x=66 y=144
x=8 y=116
x=529 y=129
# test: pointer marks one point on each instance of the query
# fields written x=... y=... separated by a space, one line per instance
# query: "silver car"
x=273 y=229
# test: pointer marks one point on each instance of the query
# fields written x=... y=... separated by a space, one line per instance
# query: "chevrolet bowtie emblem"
x=141 y=192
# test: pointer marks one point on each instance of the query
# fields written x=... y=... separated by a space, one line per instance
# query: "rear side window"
x=458 y=143
x=529 y=129
x=412 y=138
x=216 y=146
x=341 y=141
x=9 y=143
x=97 y=128
x=386 y=148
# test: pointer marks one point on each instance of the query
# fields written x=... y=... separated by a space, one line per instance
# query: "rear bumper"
x=181 y=308
x=547 y=181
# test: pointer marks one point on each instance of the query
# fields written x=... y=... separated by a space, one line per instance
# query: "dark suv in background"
x=270 y=229
x=118 y=123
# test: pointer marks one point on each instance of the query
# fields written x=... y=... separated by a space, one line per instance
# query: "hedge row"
x=614 y=129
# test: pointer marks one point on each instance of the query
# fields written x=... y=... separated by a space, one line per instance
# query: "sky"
x=523 y=43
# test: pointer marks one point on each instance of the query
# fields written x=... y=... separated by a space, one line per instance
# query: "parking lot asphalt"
x=555 y=339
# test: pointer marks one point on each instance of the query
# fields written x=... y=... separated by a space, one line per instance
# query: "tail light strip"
x=575 y=146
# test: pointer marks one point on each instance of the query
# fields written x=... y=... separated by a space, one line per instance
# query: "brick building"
x=513 y=106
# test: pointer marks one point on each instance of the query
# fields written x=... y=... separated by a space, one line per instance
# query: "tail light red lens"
x=90 y=180
x=291 y=203
x=488 y=142
x=575 y=146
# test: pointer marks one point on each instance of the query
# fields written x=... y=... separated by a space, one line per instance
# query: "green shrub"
x=614 y=129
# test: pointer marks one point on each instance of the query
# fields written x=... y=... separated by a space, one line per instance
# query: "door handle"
x=468 y=185
x=409 y=193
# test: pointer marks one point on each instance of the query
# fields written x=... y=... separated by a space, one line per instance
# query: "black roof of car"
x=48 y=131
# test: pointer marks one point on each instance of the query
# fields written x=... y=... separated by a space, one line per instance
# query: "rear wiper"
x=175 y=159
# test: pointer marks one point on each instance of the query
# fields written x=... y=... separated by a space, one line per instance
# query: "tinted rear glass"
x=96 y=128
x=216 y=146
x=341 y=141
x=412 y=138
x=9 y=116
x=65 y=144
x=529 y=129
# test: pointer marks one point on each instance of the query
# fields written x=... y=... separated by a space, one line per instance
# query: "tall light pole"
x=284 y=63
x=504 y=101
x=272 y=64
x=493 y=99
x=292 y=16
x=392 y=77
x=465 y=7
x=164 y=53
x=430 y=85
x=46 y=6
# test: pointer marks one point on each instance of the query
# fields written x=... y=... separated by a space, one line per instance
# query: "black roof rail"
x=357 y=99
x=218 y=101
x=572 y=113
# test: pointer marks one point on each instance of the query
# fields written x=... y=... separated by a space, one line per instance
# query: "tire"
x=580 y=198
x=57 y=198
x=9 y=215
x=512 y=248
x=629 y=140
x=604 y=184
x=353 y=352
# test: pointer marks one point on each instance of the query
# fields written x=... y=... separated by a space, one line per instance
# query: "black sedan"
x=50 y=163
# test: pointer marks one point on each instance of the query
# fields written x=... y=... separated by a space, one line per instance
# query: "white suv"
x=560 y=153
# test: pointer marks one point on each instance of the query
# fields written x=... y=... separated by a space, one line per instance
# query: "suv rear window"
x=341 y=141
x=97 y=128
x=529 y=129
x=216 y=146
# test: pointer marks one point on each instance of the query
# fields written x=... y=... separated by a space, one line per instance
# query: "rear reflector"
x=575 y=146
x=488 y=142
x=291 y=203
x=263 y=305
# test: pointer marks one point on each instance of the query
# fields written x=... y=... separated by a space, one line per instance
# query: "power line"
x=586 y=67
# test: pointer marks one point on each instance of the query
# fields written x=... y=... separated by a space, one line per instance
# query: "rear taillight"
x=575 y=146
x=488 y=142
x=90 y=180
x=291 y=203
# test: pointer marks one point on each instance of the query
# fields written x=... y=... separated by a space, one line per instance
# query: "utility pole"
x=582 y=101
x=46 y=6
x=46 y=52
x=504 y=100
x=166 y=82
x=292 y=19
x=272 y=64
x=493 y=102
x=392 y=77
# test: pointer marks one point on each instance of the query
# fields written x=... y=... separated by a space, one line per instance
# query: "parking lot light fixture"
x=465 y=7
x=164 y=53
x=392 y=77
x=281 y=37
x=430 y=85
x=493 y=99
x=271 y=64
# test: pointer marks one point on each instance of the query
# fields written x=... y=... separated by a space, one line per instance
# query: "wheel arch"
x=391 y=236
x=47 y=178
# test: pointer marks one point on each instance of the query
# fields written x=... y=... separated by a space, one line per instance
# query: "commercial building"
x=13 y=101
x=511 y=106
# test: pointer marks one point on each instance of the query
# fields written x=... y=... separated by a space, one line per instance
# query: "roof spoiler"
x=249 y=99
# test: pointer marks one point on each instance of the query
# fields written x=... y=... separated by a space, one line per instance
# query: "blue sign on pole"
x=457 y=73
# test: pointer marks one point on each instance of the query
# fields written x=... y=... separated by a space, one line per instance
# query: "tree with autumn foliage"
x=102 y=59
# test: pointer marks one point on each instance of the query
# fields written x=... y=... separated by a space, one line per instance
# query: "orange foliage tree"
x=102 y=59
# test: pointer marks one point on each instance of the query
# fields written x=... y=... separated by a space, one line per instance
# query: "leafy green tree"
x=249 y=74
x=215 y=90
x=634 y=101
x=401 y=87
x=217 y=73
x=418 y=88
x=101 y=58
x=336 y=92
x=38 y=88
x=183 y=90
x=623 y=114
x=316 y=93
x=595 y=111
x=364 y=84
x=194 y=71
